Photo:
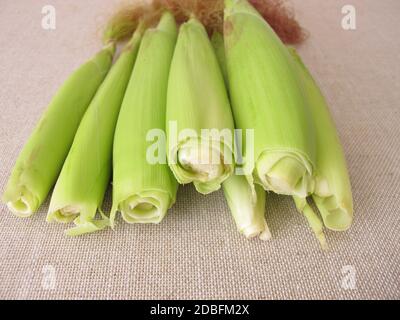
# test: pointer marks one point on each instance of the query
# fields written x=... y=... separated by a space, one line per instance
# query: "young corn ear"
x=199 y=118
x=84 y=178
x=143 y=190
x=267 y=97
x=42 y=157
x=332 y=193
x=249 y=216
x=247 y=212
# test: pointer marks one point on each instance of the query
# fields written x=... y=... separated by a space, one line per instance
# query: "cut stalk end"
x=252 y=231
x=203 y=163
x=199 y=161
x=284 y=174
x=63 y=215
x=23 y=206
x=144 y=209
x=335 y=217
x=20 y=207
x=266 y=234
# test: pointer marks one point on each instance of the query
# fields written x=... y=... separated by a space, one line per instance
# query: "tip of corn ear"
x=20 y=208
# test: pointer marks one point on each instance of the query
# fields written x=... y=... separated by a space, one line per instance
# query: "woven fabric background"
x=196 y=252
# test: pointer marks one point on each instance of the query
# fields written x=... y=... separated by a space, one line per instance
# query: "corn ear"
x=332 y=193
x=200 y=146
x=267 y=97
x=40 y=161
x=249 y=216
x=247 y=212
x=143 y=191
x=83 y=181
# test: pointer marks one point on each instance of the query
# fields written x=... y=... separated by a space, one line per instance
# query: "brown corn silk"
x=210 y=12
x=126 y=19
x=282 y=19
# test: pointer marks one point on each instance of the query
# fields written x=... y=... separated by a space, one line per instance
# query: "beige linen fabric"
x=196 y=252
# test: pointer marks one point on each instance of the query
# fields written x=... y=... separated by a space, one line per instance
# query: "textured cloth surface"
x=197 y=252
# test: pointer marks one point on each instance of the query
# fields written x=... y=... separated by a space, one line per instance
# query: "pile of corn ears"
x=140 y=122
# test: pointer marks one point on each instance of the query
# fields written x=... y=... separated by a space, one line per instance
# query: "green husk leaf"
x=142 y=191
x=40 y=161
x=313 y=220
x=217 y=40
